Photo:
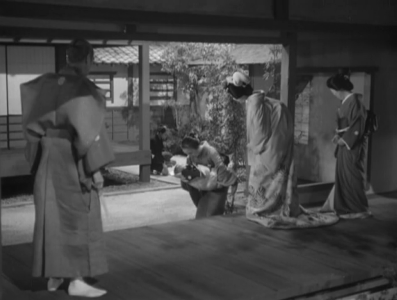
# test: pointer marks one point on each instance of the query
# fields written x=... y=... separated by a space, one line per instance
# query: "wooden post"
x=1 y=246
x=288 y=73
x=144 y=107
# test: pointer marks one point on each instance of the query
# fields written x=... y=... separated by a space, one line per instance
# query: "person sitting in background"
x=158 y=165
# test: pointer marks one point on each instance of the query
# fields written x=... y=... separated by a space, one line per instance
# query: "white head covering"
x=238 y=79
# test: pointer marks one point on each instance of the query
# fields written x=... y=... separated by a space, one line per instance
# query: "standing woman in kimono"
x=63 y=121
x=348 y=198
x=208 y=203
x=272 y=196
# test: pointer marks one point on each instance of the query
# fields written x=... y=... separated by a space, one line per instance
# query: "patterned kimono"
x=348 y=198
x=273 y=199
x=210 y=203
x=63 y=121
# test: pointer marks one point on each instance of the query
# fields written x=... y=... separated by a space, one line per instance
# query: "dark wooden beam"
x=281 y=9
x=144 y=109
x=43 y=33
x=312 y=70
x=118 y=16
x=288 y=72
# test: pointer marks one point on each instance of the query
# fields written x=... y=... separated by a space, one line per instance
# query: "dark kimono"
x=348 y=198
x=210 y=203
x=157 y=148
x=63 y=121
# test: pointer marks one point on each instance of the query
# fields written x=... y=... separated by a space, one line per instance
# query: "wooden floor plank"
x=337 y=240
x=322 y=255
x=229 y=258
x=239 y=265
x=11 y=292
x=143 y=283
x=290 y=268
x=180 y=265
x=206 y=259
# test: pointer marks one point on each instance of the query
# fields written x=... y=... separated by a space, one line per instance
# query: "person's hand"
x=183 y=179
x=341 y=142
x=335 y=139
x=98 y=180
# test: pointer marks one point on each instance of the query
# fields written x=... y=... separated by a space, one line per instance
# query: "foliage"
x=272 y=68
x=200 y=70
x=131 y=110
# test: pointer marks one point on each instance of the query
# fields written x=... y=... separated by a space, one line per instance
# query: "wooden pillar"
x=288 y=72
x=144 y=108
x=1 y=248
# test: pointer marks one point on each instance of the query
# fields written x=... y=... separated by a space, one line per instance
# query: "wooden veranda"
x=232 y=258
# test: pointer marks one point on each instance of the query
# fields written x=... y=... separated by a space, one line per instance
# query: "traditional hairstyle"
x=238 y=85
x=161 y=129
x=78 y=51
x=191 y=141
x=340 y=81
x=225 y=158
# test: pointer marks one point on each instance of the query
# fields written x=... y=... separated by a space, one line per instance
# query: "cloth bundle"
x=206 y=181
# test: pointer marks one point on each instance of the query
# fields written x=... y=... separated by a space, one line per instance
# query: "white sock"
x=78 y=287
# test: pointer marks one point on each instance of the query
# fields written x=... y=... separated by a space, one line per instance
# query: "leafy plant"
x=201 y=69
x=272 y=68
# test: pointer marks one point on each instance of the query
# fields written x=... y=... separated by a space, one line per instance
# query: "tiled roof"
x=252 y=54
x=126 y=55
x=244 y=54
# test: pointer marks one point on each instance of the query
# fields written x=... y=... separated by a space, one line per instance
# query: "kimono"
x=212 y=202
x=207 y=181
x=272 y=193
x=63 y=122
x=348 y=198
x=157 y=148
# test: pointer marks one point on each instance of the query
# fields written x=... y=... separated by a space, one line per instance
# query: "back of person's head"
x=79 y=51
x=191 y=141
x=238 y=85
x=225 y=158
x=340 y=81
x=161 y=129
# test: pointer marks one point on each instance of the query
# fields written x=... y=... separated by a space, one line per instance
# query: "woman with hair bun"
x=208 y=203
x=272 y=196
x=63 y=119
x=348 y=198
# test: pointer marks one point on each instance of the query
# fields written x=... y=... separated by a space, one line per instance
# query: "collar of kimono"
x=343 y=101
x=68 y=70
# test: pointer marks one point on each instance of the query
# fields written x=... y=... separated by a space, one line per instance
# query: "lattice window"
x=162 y=86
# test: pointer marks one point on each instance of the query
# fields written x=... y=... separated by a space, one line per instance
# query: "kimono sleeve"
x=356 y=118
x=32 y=114
x=86 y=115
x=99 y=154
x=258 y=126
x=225 y=176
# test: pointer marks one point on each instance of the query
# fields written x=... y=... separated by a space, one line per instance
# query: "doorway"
x=315 y=123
